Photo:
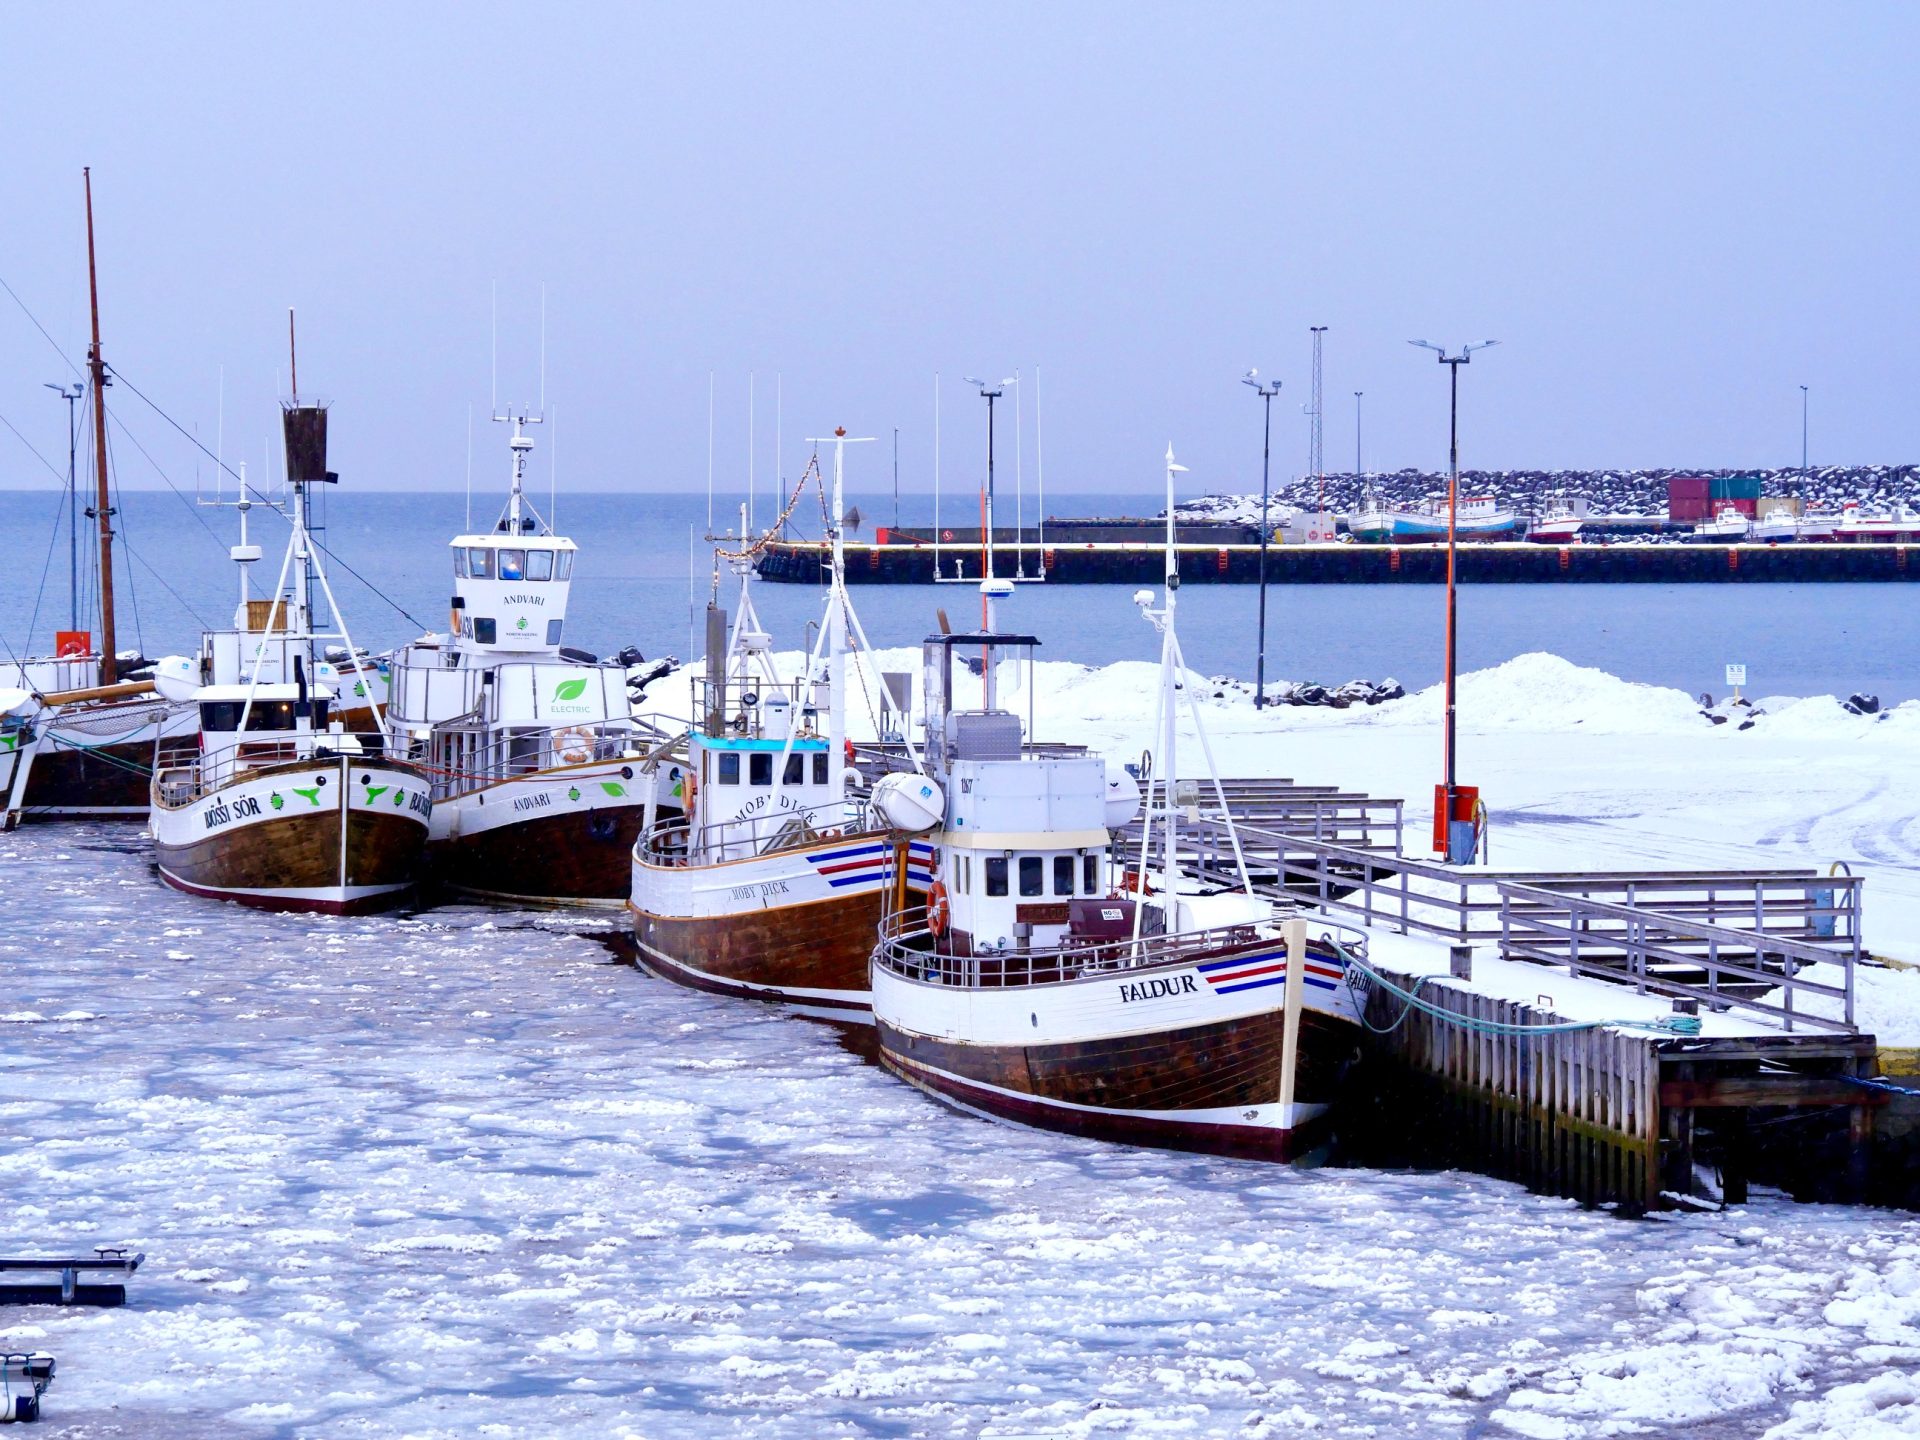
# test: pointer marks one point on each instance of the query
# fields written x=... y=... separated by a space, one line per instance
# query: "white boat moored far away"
x=1040 y=985
x=771 y=883
x=275 y=803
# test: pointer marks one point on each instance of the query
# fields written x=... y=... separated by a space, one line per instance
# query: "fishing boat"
x=89 y=728
x=1479 y=517
x=1773 y=525
x=1044 y=985
x=771 y=883
x=532 y=746
x=274 y=803
x=1727 y=527
x=1559 y=522
x=1897 y=526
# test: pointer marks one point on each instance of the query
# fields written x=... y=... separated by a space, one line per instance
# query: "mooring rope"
x=1411 y=1001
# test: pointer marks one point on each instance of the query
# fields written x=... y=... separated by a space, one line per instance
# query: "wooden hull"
x=275 y=841
x=570 y=857
x=815 y=955
x=1175 y=1090
x=107 y=782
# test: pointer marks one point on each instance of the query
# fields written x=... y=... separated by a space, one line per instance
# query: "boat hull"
x=236 y=843
x=796 y=927
x=1404 y=529
x=1156 y=1056
x=555 y=837
x=95 y=762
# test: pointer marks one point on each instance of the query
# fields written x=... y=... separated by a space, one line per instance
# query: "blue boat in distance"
x=1479 y=518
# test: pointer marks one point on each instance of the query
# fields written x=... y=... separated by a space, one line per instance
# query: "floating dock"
x=1143 y=562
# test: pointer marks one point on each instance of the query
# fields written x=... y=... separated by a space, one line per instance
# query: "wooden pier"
x=1143 y=563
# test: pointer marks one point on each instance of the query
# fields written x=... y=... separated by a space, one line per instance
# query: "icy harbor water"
x=464 y=1173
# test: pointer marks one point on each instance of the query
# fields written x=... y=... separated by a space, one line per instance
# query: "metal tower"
x=1316 y=465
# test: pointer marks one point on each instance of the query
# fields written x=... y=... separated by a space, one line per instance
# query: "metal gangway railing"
x=671 y=843
x=1727 y=938
x=462 y=759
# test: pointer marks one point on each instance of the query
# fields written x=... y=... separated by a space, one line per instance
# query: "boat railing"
x=733 y=706
x=908 y=948
x=184 y=773
x=526 y=750
x=671 y=843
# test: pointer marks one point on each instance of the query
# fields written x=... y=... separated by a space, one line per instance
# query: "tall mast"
x=103 y=513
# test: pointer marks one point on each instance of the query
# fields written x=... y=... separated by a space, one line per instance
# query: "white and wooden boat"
x=1478 y=517
x=1040 y=986
x=87 y=754
x=274 y=803
x=533 y=749
x=771 y=884
x=1727 y=527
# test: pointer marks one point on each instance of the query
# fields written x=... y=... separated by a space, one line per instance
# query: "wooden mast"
x=103 y=513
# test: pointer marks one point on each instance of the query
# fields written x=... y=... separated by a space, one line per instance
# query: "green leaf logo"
x=374 y=792
x=312 y=796
x=570 y=689
x=613 y=787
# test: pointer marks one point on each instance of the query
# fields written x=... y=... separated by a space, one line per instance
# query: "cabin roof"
x=982 y=637
x=501 y=540
x=276 y=691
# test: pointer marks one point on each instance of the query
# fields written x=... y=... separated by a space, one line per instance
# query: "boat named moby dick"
x=274 y=803
x=772 y=883
x=1040 y=986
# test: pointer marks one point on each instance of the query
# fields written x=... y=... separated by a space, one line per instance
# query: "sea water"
x=642 y=573
x=465 y=1172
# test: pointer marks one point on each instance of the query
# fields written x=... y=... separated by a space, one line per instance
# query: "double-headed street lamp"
x=1266 y=392
x=1453 y=834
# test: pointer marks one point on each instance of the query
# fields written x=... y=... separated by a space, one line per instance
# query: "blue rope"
x=1886 y=1085
x=1665 y=1024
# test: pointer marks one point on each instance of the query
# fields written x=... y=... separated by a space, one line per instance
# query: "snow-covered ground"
x=460 y=1173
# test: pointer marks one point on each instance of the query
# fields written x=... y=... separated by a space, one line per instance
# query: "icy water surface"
x=463 y=1173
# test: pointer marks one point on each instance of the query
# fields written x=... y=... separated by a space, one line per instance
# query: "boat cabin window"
x=513 y=564
x=1032 y=875
x=268 y=715
x=480 y=563
x=820 y=767
x=996 y=875
x=1090 y=872
x=729 y=768
x=796 y=771
x=540 y=564
x=760 y=769
x=563 y=564
x=553 y=632
x=460 y=564
x=483 y=631
x=1063 y=874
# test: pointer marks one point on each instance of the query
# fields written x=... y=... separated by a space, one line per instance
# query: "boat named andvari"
x=276 y=805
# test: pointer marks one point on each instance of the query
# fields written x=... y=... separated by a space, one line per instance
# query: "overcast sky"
x=1670 y=216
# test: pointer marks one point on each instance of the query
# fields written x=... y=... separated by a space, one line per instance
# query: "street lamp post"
x=989 y=393
x=1357 y=470
x=71 y=394
x=1266 y=392
x=1453 y=837
x=1803 y=430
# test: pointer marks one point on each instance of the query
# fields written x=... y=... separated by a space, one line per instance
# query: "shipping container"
x=1689 y=509
x=1687 y=487
x=1735 y=487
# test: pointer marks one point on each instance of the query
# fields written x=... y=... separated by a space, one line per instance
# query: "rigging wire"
x=38 y=326
x=52 y=469
x=46 y=568
x=133 y=594
x=194 y=440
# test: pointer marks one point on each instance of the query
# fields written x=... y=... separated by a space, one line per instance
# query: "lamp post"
x=989 y=393
x=1357 y=470
x=1266 y=392
x=71 y=394
x=1803 y=430
x=1452 y=837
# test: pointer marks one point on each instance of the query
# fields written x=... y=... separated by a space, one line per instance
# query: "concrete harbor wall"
x=1143 y=563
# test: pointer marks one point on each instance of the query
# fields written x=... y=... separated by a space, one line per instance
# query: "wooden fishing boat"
x=274 y=803
x=533 y=750
x=1040 y=984
x=769 y=883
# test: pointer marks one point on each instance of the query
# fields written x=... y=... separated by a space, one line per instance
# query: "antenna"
x=749 y=449
x=553 y=467
x=709 y=452
x=1040 y=468
x=469 y=467
x=543 y=349
x=494 y=402
x=779 y=399
x=293 y=359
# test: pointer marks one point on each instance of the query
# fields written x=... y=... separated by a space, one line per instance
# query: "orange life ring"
x=937 y=912
x=847 y=746
x=453 y=621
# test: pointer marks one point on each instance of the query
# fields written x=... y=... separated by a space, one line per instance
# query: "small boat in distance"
x=1480 y=517
x=1727 y=527
x=1898 y=526
x=533 y=748
x=274 y=803
x=771 y=884
x=1559 y=522
x=1039 y=985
